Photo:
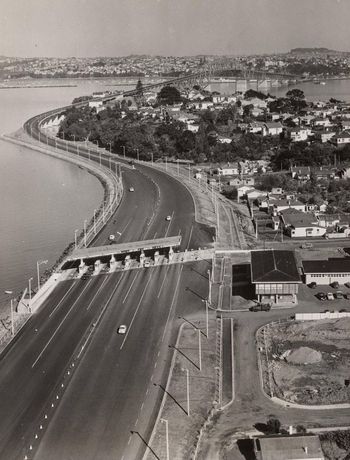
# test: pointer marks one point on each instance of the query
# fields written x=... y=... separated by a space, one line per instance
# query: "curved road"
x=111 y=392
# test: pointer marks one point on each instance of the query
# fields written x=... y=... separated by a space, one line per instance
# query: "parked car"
x=347 y=284
x=312 y=285
x=343 y=310
x=335 y=284
x=131 y=189
x=330 y=296
x=338 y=295
x=321 y=296
x=347 y=295
x=306 y=246
x=168 y=218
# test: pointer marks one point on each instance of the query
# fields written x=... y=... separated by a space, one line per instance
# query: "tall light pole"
x=207 y=317
x=95 y=221
x=30 y=289
x=124 y=150
x=200 y=348
x=75 y=238
x=209 y=278
x=110 y=147
x=85 y=222
x=187 y=388
x=12 y=315
x=166 y=437
x=39 y=262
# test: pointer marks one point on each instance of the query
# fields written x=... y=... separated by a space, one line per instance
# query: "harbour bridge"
x=210 y=74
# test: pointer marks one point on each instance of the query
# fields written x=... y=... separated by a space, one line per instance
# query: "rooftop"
x=335 y=265
x=291 y=448
x=272 y=266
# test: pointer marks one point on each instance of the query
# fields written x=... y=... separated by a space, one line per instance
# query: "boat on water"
x=319 y=82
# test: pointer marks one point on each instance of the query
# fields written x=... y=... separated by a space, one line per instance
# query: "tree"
x=139 y=88
x=273 y=425
x=295 y=93
x=169 y=95
x=252 y=93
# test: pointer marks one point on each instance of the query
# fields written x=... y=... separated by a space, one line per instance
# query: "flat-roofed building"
x=307 y=447
x=275 y=276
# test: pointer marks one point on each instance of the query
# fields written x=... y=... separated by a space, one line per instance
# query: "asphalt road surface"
x=108 y=405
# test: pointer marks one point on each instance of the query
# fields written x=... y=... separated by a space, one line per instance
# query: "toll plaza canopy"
x=125 y=248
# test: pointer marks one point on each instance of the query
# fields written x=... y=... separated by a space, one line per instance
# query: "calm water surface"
x=42 y=200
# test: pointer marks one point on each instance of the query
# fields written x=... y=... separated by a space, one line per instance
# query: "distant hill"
x=315 y=50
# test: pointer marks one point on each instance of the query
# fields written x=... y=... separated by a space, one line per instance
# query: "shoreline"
x=111 y=189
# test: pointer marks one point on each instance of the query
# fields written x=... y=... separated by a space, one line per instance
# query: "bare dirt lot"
x=310 y=361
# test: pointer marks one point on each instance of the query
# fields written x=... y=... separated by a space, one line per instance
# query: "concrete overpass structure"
x=112 y=253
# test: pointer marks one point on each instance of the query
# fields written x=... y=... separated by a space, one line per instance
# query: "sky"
x=88 y=28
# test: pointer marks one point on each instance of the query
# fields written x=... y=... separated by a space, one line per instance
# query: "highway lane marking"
x=189 y=239
x=161 y=287
x=98 y=319
x=126 y=225
x=133 y=281
x=59 y=326
x=135 y=313
x=166 y=233
x=96 y=293
x=129 y=440
x=148 y=389
x=142 y=405
x=155 y=364
x=155 y=235
x=173 y=301
x=59 y=303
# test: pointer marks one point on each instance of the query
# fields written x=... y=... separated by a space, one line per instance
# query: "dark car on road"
x=312 y=285
x=335 y=284
x=338 y=295
x=321 y=296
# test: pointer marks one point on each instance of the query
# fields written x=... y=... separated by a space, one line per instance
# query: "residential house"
x=245 y=191
x=298 y=133
x=298 y=224
x=275 y=276
x=272 y=128
x=224 y=139
x=323 y=173
x=323 y=122
x=255 y=127
x=342 y=138
x=324 y=136
x=302 y=173
x=231 y=170
x=283 y=204
x=241 y=181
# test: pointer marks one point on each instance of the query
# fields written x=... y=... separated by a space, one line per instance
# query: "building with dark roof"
x=327 y=271
x=275 y=275
x=307 y=447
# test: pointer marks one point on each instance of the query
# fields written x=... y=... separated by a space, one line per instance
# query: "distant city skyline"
x=89 y=28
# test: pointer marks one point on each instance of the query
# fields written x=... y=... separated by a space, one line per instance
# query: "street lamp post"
x=12 y=315
x=124 y=150
x=39 y=262
x=187 y=388
x=209 y=278
x=200 y=348
x=95 y=221
x=207 y=317
x=75 y=238
x=85 y=222
x=166 y=437
x=30 y=289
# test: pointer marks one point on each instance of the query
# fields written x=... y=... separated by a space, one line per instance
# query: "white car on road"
x=168 y=218
x=122 y=329
x=131 y=189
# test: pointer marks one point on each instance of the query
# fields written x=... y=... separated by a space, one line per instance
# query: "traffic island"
x=188 y=404
x=306 y=363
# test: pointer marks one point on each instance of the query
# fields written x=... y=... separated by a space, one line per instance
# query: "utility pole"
x=85 y=221
x=207 y=317
x=200 y=348
x=209 y=278
x=75 y=238
x=187 y=389
x=124 y=150
x=95 y=221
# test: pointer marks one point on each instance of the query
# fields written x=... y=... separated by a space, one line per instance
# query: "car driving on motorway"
x=122 y=329
x=131 y=189
x=168 y=218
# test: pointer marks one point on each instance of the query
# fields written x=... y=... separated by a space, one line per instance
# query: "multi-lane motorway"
x=108 y=402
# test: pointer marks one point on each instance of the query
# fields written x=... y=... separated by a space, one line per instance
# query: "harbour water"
x=43 y=200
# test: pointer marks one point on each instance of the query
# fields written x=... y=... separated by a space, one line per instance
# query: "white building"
x=327 y=271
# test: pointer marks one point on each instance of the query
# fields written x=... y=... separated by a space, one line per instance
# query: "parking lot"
x=309 y=298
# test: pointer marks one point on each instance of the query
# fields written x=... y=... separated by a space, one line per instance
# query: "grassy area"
x=184 y=430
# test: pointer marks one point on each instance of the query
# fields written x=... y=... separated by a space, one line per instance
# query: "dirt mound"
x=304 y=355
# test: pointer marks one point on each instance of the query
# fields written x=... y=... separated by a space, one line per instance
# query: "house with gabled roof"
x=342 y=138
x=275 y=275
